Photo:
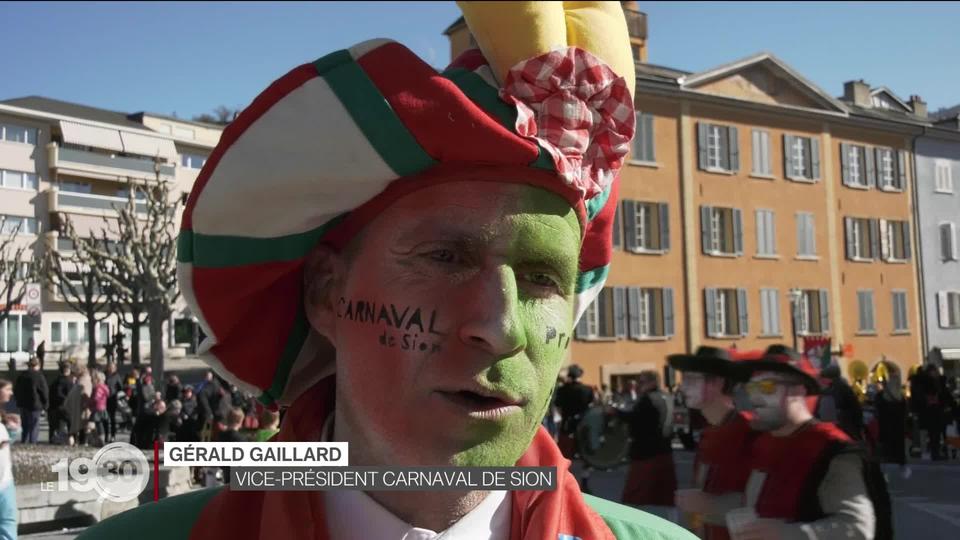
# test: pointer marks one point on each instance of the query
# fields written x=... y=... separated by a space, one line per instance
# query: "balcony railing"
x=103 y=164
x=636 y=23
x=67 y=201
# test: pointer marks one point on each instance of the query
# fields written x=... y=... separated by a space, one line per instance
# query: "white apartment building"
x=60 y=159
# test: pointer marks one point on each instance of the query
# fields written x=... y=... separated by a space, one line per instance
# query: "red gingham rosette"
x=578 y=109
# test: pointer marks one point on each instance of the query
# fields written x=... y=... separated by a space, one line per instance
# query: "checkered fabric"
x=580 y=112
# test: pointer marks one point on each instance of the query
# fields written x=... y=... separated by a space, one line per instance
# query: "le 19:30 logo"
x=118 y=472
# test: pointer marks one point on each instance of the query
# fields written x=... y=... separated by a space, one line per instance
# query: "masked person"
x=809 y=478
x=399 y=257
x=722 y=465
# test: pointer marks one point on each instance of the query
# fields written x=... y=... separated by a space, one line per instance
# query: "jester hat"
x=545 y=101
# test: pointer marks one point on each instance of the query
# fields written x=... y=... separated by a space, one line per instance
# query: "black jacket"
x=651 y=425
x=61 y=387
x=31 y=391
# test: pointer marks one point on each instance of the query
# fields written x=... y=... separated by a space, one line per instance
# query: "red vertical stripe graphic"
x=156 y=471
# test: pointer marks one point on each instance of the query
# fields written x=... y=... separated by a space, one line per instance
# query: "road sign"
x=34 y=311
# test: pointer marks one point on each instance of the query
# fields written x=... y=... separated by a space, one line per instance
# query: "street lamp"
x=794 y=295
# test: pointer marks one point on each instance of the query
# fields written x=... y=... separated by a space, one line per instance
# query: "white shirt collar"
x=352 y=514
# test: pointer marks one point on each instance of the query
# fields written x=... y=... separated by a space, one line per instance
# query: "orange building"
x=755 y=209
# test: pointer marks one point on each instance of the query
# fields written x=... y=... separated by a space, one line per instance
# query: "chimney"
x=919 y=106
x=857 y=92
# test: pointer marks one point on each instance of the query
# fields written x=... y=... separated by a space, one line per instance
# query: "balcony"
x=105 y=167
x=636 y=24
x=88 y=204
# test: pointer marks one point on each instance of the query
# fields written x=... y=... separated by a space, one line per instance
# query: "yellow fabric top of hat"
x=511 y=32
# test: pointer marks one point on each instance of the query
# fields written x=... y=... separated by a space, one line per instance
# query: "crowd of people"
x=793 y=448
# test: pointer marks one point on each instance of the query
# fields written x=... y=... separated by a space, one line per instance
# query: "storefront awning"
x=144 y=145
x=86 y=135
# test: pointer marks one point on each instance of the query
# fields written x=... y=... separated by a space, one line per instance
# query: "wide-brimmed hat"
x=709 y=360
x=782 y=359
x=331 y=144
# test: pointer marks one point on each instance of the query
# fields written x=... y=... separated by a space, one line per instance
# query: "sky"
x=189 y=57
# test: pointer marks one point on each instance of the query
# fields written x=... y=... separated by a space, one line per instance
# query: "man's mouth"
x=482 y=403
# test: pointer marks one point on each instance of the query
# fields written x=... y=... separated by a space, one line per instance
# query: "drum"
x=603 y=440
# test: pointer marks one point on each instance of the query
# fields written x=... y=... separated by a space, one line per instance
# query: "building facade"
x=756 y=209
x=60 y=160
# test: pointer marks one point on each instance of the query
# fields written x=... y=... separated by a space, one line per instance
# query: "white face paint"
x=769 y=409
x=692 y=387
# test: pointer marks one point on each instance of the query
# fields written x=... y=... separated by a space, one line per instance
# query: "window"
x=192 y=161
x=617 y=228
x=948 y=241
x=948 y=303
x=75 y=187
x=813 y=313
x=944 y=180
x=862 y=238
x=719 y=149
x=20 y=134
x=605 y=318
x=56 y=332
x=650 y=312
x=18 y=179
x=12 y=338
x=73 y=332
x=900 y=323
x=103 y=332
x=865 y=314
x=895 y=240
x=139 y=194
x=646 y=226
x=643 y=149
x=801 y=158
x=761 y=153
x=17 y=224
x=806 y=235
x=857 y=166
x=766 y=233
x=770 y=312
x=726 y=312
x=721 y=231
x=891 y=173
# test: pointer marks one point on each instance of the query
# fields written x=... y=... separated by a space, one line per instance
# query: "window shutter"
x=953 y=241
x=742 y=312
x=814 y=158
x=630 y=224
x=664 y=213
x=617 y=227
x=869 y=158
x=737 y=231
x=633 y=309
x=845 y=164
x=761 y=229
x=619 y=313
x=755 y=152
x=582 y=330
x=900 y=177
x=874 y=238
x=765 y=311
x=848 y=226
x=734 y=147
x=702 y=145
x=944 y=308
x=724 y=150
x=705 y=226
x=648 y=141
x=906 y=240
x=946 y=242
x=824 y=312
x=885 y=240
x=775 y=310
x=772 y=232
x=788 y=169
x=668 y=322
x=710 y=300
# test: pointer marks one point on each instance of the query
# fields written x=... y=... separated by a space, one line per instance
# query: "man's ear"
x=323 y=275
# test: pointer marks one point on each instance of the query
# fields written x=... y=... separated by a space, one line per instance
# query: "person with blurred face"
x=809 y=478
x=406 y=272
x=721 y=466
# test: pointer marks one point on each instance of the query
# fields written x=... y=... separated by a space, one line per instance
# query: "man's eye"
x=542 y=280
x=442 y=255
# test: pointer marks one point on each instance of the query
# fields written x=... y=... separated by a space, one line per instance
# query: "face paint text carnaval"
x=404 y=325
x=561 y=343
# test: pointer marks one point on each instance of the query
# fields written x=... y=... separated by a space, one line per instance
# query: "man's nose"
x=491 y=315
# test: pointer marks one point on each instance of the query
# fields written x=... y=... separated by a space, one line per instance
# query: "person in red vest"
x=809 y=478
x=720 y=468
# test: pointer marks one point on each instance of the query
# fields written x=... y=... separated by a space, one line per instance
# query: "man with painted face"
x=809 y=479
x=721 y=466
x=398 y=257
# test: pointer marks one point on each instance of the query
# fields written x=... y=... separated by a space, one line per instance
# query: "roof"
x=802 y=83
x=659 y=73
x=141 y=114
x=456 y=24
x=895 y=97
x=66 y=108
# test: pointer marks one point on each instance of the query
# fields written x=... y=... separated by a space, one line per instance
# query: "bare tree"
x=137 y=258
x=71 y=273
x=15 y=272
x=222 y=115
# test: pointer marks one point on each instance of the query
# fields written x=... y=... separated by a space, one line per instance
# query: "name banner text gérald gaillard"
x=393 y=478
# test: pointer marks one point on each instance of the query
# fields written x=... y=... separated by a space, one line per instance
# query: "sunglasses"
x=766 y=387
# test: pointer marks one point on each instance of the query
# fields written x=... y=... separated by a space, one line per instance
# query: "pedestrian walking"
x=32 y=396
x=98 y=407
x=891 y=408
x=8 y=491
